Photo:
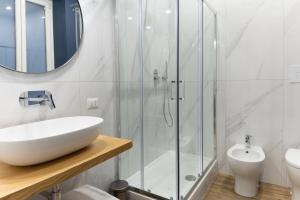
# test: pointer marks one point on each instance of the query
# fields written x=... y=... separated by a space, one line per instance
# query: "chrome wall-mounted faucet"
x=40 y=97
x=248 y=140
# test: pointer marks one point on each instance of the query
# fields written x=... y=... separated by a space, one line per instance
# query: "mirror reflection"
x=39 y=36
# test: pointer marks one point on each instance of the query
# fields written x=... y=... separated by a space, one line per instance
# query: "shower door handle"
x=173 y=88
x=181 y=90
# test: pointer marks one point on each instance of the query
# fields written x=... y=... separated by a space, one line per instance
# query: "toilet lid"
x=292 y=157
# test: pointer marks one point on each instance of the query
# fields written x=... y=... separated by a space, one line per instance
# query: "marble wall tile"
x=106 y=94
x=98 y=58
x=252 y=53
x=221 y=123
x=69 y=73
x=102 y=175
x=130 y=127
x=292 y=138
x=291 y=32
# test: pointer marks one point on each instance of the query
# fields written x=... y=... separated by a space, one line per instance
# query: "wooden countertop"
x=18 y=183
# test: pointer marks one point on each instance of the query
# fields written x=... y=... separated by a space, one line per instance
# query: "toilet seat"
x=292 y=158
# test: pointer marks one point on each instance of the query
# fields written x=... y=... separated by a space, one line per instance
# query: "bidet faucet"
x=248 y=140
x=41 y=98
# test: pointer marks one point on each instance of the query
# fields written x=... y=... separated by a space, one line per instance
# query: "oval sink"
x=38 y=142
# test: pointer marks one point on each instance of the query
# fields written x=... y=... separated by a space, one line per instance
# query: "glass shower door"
x=197 y=90
x=159 y=47
x=131 y=167
x=147 y=51
x=190 y=95
x=209 y=85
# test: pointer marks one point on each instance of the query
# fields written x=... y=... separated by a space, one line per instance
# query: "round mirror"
x=39 y=36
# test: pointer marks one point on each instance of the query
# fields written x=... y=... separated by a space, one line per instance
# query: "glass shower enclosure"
x=167 y=61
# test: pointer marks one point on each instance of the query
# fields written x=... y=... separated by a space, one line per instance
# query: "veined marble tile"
x=102 y=175
x=98 y=55
x=273 y=164
x=106 y=94
x=252 y=52
x=91 y=7
x=285 y=178
x=291 y=34
x=68 y=73
x=291 y=138
x=254 y=107
x=221 y=123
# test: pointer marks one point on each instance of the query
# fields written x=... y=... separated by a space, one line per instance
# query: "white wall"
x=90 y=74
x=258 y=41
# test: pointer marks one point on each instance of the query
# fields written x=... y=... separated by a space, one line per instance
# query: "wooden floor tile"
x=223 y=189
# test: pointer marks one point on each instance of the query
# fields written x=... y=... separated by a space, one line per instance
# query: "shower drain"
x=190 y=178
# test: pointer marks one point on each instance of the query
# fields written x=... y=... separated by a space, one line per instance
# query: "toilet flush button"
x=92 y=103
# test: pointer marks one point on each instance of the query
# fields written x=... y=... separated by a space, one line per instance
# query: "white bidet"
x=246 y=163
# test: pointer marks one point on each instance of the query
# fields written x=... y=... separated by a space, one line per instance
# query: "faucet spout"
x=48 y=100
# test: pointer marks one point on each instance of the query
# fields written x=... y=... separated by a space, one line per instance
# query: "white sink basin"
x=38 y=142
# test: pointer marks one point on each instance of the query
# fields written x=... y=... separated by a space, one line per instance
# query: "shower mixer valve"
x=156 y=79
x=155 y=75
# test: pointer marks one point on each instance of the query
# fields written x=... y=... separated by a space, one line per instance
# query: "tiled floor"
x=222 y=189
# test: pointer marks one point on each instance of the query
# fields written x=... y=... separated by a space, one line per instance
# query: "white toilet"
x=246 y=163
x=292 y=158
x=87 y=192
